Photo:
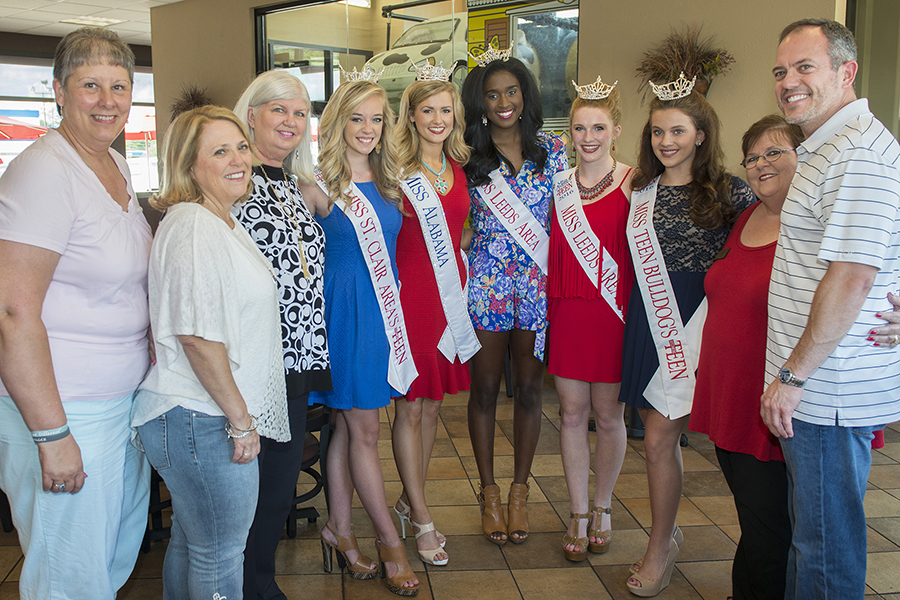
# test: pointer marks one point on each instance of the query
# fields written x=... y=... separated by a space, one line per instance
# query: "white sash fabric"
x=654 y=392
x=401 y=369
x=583 y=243
x=676 y=364
x=516 y=219
x=427 y=204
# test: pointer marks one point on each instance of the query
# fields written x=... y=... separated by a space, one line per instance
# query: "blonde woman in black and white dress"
x=275 y=107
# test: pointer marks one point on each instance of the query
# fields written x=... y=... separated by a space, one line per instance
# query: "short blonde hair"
x=182 y=147
x=407 y=136
x=280 y=85
x=333 y=156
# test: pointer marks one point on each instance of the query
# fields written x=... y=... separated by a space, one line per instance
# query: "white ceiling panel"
x=55 y=29
x=17 y=25
x=25 y=4
x=42 y=17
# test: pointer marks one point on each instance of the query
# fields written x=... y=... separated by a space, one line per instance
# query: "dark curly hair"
x=485 y=156
x=710 y=187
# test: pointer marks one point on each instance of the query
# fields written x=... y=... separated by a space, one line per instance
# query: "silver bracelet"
x=235 y=432
x=50 y=435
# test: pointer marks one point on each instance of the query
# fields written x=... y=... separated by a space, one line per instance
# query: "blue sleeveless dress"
x=357 y=344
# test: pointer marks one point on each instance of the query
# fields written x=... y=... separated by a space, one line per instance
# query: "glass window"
x=27 y=96
x=427 y=33
x=547 y=43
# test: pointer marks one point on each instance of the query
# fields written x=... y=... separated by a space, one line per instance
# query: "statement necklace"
x=440 y=184
x=292 y=215
x=592 y=192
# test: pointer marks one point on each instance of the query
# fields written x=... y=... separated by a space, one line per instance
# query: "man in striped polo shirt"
x=838 y=256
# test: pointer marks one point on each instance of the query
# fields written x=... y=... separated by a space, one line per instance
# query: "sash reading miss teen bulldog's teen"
x=676 y=365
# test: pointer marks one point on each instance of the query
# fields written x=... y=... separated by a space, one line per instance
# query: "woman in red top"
x=731 y=369
x=589 y=285
x=435 y=200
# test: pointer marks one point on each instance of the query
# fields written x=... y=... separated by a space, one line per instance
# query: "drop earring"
x=484 y=120
x=378 y=148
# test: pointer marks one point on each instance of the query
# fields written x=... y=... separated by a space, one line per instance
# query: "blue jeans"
x=213 y=503
x=828 y=467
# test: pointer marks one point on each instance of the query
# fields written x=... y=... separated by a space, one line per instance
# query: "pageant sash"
x=370 y=235
x=427 y=204
x=654 y=393
x=672 y=346
x=515 y=217
x=583 y=243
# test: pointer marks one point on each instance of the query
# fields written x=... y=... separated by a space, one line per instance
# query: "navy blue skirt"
x=639 y=358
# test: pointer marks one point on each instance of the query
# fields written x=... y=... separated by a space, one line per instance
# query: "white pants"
x=77 y=546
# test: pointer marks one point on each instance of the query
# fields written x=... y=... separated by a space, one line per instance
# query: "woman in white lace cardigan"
x=218 y=383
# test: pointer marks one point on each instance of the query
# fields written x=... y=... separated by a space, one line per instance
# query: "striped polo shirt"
x=843 y=205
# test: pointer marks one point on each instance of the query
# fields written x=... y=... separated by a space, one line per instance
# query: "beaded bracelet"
x=50 y=435
x=236 y=432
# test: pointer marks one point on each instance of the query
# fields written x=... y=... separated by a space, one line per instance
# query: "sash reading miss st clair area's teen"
x=583 y=243
x=676 y=363
x=401 y=369
x=516 y=219
x=459 y=337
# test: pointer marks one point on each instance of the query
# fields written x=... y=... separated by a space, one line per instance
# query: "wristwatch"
x=787 y=377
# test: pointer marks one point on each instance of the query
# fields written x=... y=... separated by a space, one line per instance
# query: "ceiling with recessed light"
x=129 y=18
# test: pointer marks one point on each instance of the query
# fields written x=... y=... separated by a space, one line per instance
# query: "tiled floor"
x=537 y=569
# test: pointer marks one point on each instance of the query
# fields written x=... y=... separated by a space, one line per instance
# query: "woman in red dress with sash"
x=432 y=275
x=589 y=285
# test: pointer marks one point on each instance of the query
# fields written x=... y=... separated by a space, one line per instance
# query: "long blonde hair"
x=407 y=136
x=182 y=147
x=333 y=156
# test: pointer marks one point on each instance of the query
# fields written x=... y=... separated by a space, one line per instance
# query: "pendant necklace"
x=292 y=215
x=440 y=184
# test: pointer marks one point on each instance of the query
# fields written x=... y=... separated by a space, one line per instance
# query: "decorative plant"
x=684 y=51
x=191 y=97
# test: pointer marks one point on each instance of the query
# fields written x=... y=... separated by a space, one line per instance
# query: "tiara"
x=674 y=90
x=430 y=72
x=367 y=74
x=594 y=91
x=490 y=55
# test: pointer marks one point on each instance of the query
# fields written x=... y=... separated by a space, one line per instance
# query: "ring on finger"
x=60 y=486
x=895 y=339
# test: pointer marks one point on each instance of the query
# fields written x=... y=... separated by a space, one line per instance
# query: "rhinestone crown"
x=367 y=74
x=674 y=90
x=432 y=73
x=490 y=55
x=594 y=91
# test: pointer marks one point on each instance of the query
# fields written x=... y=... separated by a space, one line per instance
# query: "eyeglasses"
x=751 y=162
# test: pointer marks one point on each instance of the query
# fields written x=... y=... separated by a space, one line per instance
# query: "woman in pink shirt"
x=73 y=334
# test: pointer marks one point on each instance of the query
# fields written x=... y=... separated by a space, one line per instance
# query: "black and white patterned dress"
x=269 y=216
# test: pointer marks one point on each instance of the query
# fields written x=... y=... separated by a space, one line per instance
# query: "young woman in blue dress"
x=356 y=202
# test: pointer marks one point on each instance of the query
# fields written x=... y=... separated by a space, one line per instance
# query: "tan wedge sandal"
x=580 y=550
x=518 y=513
x=492 y=514
x=599 y=540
